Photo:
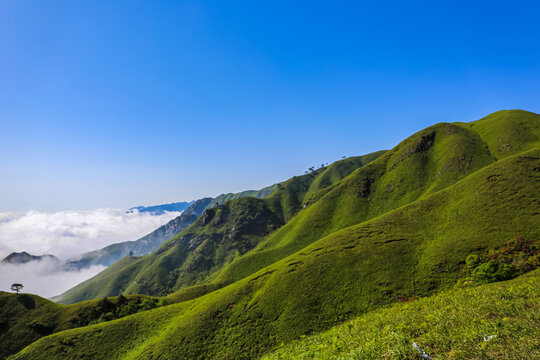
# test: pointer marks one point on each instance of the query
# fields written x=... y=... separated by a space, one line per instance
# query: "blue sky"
x=123 y=103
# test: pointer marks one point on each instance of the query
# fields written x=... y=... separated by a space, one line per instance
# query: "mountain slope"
x=424 y=163
x=415 y=250
x=495 y=321
x=219 y=236
x=145 y=245
x=149 y=243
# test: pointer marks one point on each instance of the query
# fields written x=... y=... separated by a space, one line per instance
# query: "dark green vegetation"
x=519 y=256
x=401 y=226
x=496 y=321
x=24 y=318
x=221 y=235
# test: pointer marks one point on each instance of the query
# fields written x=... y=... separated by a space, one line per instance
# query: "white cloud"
x=41 y=277
x=66 y=234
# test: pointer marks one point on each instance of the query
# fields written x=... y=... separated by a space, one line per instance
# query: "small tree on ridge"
x=16 y=287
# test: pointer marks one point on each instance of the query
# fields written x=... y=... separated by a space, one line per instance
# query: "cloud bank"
x=66 y=235
x=42 y=277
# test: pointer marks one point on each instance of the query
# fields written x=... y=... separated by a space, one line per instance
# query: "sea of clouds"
x=66 y=235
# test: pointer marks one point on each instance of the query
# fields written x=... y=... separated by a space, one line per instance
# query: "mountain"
x=220 y=199
x=161 y=209
x=145 y=245
x=149 y=243
x=221 y=234
x=335 y=245
x=24 y=257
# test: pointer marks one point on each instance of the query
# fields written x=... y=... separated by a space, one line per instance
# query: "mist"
x=42 y=277
x=66 y=235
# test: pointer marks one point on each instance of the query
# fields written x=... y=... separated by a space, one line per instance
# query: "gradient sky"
x=123 y=103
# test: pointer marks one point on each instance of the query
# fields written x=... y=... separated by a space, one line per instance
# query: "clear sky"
x=123 y=103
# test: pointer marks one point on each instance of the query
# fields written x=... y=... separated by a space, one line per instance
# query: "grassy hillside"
x=222 y=234
x=25 y=318
x=145 y=245
x=264 y=192
x=495 y=321
x=414 y=250
x=424 y=163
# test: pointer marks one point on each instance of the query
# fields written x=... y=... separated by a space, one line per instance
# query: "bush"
x=518 y=256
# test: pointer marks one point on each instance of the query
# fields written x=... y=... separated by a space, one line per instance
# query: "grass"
x=415 y=250
x=452 y=325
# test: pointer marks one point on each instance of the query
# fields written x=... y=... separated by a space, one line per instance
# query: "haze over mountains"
x=152 y=241
x=80 y=230
x=454 y=205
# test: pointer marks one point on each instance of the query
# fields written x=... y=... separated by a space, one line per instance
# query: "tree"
x=16 y=288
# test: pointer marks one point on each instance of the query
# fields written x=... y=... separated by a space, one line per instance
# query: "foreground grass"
x=452 y=325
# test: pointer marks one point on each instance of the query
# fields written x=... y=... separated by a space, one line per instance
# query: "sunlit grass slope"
x=415 y=250
x=495 y=321
x=220 y=235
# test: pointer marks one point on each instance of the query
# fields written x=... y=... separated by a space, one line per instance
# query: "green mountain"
x=149 y=243
x=145 y=245
x=220 y=235
x=402 y=226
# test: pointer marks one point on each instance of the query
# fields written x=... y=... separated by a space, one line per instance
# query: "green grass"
x=452 y=325
x=220 y=199
x=415 y=250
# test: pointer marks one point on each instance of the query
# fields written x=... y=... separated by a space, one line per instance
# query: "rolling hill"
x=219 y=236
x=149 y=243
x=400 y=226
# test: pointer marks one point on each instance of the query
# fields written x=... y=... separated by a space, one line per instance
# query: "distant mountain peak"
x=161 y=209
x=24 y=257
